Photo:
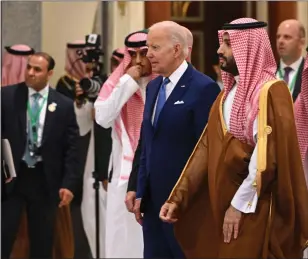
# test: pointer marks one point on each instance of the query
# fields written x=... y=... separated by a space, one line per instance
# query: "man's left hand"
x=137 y=212
x=78 y=90
x=130 y=200
x=231 y=224
x=66 y=197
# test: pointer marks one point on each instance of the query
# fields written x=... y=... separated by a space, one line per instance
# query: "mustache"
x=222 y=56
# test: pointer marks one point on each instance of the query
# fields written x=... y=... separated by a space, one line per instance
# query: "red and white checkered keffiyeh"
x=132 y=111
x=14 y=65
x=120 y=51
x=74 y=66
x=256 y=65
x=301 y=113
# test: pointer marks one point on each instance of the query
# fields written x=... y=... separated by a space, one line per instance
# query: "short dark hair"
x=48 y=58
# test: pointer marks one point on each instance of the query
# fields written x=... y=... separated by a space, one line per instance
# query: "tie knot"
x=166 y=81
x=36 y=96
x=287 y=70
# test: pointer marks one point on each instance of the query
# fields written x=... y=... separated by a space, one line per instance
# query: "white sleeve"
x=108 y=110
x=84 y=117
x=246 y=197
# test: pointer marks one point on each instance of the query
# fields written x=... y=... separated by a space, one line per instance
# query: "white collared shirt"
x=174 y=79
x=44 y=94
x=143 y=82
x=295 y=66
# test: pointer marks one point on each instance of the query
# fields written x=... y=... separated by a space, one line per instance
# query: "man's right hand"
x=8 y=180
x=168 y=212
x=78 y=92
x=130 y=201
x=134 y=72
x=105 y=185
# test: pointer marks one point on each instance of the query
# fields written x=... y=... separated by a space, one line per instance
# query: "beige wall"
x=302 y=15
x=121 y=24
x=262 y=14
x=63 y=22
x=67 y=21
x=131 y=20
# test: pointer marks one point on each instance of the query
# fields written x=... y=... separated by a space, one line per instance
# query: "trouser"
x=30 y=192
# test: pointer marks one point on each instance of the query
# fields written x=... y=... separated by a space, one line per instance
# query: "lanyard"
x=291 y=86
x=34 y=119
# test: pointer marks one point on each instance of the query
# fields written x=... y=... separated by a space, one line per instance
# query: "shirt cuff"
x=245 y=206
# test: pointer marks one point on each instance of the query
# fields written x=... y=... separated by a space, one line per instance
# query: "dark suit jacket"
x=166 y=148
x=60 y=135
x=298 y=83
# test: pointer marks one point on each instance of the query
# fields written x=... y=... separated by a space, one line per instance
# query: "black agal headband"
x=19 y=52
x=117 y=54
x=244 y=26
x=135 y=44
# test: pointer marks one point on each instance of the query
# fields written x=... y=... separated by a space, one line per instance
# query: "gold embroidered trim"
x=306 y=245
x=183 y=171
x=222 y=120
x=263 y=131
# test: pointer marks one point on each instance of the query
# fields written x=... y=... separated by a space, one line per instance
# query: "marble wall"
x=21 y=23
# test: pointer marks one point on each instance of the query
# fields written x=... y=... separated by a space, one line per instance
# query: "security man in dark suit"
x=41 y=127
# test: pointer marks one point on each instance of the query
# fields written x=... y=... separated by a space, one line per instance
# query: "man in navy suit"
x=176 y=111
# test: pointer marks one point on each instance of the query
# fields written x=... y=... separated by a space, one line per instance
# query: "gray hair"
x=189 y=36
x=175 y=32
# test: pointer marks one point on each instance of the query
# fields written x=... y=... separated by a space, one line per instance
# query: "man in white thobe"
x=120 y=105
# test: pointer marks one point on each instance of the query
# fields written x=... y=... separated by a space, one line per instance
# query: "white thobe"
x=124 y=238
x=246 y=198
x=85 y=123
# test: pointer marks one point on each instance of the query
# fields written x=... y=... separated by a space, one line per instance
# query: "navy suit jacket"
x=166 y=148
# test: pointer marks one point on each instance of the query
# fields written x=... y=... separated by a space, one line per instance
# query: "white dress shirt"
x=44 y=95
x=174 y=79
x=246 y=198
x=295 y=66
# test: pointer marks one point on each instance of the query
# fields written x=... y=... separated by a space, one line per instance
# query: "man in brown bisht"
x=242 y=193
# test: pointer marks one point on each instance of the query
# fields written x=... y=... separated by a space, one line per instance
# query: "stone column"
x=21 y=23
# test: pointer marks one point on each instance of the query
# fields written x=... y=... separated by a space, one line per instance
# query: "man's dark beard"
x=231 y=67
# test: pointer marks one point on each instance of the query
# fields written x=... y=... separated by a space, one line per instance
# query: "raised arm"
x=106 y=111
